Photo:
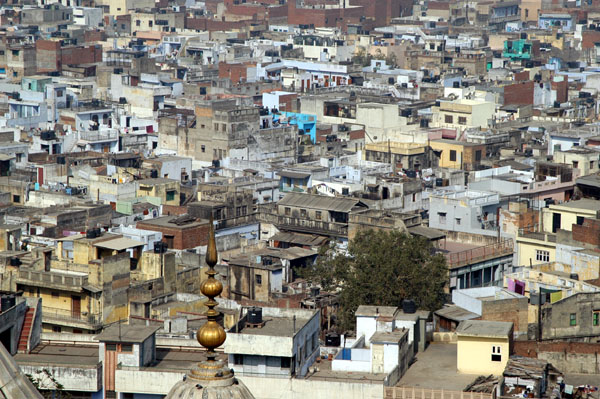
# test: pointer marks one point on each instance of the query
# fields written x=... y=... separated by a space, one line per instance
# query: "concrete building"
x=282 y=342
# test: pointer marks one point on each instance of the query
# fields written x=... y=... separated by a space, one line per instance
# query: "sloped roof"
x=314 y=201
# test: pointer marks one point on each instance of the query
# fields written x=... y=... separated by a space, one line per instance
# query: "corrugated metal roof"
x=314 y=201
x=298 y=238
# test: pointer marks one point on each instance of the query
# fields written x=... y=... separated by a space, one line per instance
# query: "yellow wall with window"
x=475 y=354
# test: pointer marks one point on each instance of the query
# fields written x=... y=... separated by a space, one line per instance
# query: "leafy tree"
x=362 y=58
x=381 y=268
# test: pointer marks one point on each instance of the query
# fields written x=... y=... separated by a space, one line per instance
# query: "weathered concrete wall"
x=78 y=378
x=568 y=357
x=261 y=387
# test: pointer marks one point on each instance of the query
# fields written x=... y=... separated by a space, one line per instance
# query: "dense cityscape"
x=299 y=199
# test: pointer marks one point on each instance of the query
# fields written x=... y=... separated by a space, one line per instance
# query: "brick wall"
x=519 y=93
x=511 y=310
x=562 y=90
x=589 y=232
x=568 y=357
x=183 y=238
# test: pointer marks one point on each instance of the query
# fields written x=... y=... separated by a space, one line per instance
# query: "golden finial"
x=211 y=335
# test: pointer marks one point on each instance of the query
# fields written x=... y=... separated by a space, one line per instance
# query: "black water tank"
x=409 y=306
x=90 y=233
x=456 y=85
x=7 y=302
x=14 y=261
x=160 y=247
x=439 y=182
x=154 y=174
x=332 y=339
x=255 y=315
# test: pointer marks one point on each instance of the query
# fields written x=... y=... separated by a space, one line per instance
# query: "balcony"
x=100 y=135
x=63 y=281
x=306 y=225
x=479 y=254
x=71 y=318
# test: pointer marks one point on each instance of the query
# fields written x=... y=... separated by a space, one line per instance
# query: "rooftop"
x=481 y=328
x=126 y=333
x=276 y=327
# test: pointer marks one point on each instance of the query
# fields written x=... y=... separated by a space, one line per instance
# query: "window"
x=303 y=213
x=77 y=331
x=478 y=155
x=56 y=329
x=580 y=220
x=150 y=24
x=596 y=317
x=542 y=256
x=573 y=319
x=458 y=221
x=452 y=155
x=462 y=120
x=526 y=13
x=448 y=119
x=258 y=279
x=238 y=359
x=285 y=362
x=138 y=22
x=127 y=348
x=111 y=347
x=54 y=294
x=16 y=198
x=318 y=215
x=592 y=164
x=442 y=217
x=287 y=211
x=203 y=148
x=496 y=356
x=171 y=195
x=575 y=164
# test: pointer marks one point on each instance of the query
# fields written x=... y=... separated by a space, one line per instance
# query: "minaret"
x=210 y=378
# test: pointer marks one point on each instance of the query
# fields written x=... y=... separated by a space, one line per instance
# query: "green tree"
x=381 y=268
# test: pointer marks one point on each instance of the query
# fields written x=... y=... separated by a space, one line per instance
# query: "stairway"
x=26 y=331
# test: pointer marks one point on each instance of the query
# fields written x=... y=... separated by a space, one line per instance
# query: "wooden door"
x=110 y=365
x=76 y=307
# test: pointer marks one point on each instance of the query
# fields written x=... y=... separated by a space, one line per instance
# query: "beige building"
x=586 y=160
x=462 y=114
x=167 y=190
x=483 y=347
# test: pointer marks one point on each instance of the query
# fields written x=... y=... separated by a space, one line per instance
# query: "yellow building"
x=483 y=347
x=457 y=154
x=462 y=114
x=540 y=247
x=167 y=190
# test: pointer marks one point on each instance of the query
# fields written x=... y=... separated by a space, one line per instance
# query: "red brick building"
x=179 y=232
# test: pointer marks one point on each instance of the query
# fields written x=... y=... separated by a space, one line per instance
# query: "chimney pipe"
x=294 y=324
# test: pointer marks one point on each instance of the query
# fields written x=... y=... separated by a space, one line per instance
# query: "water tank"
x=91 y=233
x=160 y=247
x=255 y=315
x=7 y=302
x=409 y=306
x=332 y=339
x=14 y=261
x=456 y=85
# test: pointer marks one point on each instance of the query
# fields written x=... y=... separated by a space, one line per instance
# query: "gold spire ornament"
x=210 y=379
x=211 y=335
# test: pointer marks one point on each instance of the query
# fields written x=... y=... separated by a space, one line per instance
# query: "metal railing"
x=479 y=254
x=426 y=393
x=70 y=316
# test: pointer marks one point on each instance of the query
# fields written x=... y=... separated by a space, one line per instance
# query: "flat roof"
x=586 y=203
x=315 y=201
x=370 y=311
x=61 y=354
x=119 y=244
x=388 y=337
x=126 y=333
x=276 y=326
x=165 y=221
x=484 y=328
x=158 y=180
